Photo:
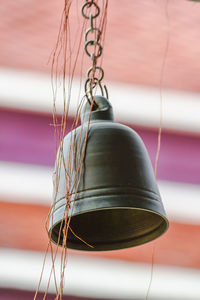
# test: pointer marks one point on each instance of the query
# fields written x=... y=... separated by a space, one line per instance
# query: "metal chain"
x=95 y=74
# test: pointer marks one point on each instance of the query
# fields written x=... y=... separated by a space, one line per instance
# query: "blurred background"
x=142 y=37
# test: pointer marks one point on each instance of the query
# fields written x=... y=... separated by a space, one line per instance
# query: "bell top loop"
x=104 y=110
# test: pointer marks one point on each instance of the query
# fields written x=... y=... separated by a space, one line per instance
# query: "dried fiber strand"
x=65 y=60
x=163 y=65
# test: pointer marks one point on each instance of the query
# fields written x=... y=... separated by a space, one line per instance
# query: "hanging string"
x=163 y=65
x=161 y=86
x=152 y=269
x=64 y=63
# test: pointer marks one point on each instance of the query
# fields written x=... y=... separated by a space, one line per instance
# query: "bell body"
x=115 y=203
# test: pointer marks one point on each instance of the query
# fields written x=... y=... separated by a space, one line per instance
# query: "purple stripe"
x=9 y=294
x=29 y=138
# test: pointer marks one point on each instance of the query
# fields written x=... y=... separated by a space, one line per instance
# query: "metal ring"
x=89 y=80
x=106 y=91
x=96 y=68
x=86 y=93
x=97 y=83
x=91 y=30
x=89 y=4
x=92 y=43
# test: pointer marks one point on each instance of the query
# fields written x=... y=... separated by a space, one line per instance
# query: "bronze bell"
x=117 y=204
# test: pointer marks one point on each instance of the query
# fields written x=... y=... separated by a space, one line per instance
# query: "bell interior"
x=111 y=229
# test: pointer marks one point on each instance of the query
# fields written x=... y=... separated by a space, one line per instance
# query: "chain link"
x=89 y=4
x=93 y=49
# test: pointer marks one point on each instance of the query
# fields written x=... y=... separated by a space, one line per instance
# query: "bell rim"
x=132 y=242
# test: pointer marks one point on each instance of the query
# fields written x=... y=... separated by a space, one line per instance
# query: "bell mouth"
x=111 y=229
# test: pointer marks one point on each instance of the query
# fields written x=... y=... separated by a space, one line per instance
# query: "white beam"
x=98 y=277
x=138 y=105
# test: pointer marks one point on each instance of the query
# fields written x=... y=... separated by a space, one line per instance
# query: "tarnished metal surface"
x=118 y=204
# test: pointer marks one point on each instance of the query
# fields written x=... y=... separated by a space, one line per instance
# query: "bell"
x=115 y=203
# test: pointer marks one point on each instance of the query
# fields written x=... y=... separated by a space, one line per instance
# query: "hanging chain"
x=95 y=74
